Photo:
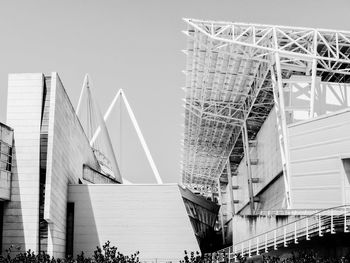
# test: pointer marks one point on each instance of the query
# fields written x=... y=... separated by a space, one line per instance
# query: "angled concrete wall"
x=148 y=218
x=21 y=214
x=68 y=149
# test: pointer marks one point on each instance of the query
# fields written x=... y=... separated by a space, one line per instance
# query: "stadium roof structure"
x=235 y=74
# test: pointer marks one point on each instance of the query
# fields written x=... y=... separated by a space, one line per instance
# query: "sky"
x=136 y=46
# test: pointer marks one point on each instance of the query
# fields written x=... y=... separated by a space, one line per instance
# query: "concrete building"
x=62 y=195
x=266 y=155
x=6 y=145
x=267 y=120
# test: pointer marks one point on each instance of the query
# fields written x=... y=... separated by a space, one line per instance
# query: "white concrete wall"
x=68 y=149
x=21 y=215
x=246 y=227
x=269 y=164
x=148 y=218
x=317 y=147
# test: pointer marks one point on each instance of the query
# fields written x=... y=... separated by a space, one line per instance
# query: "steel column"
x=282 y=124
x=221 y=213
x=313 y=78
x=249 y=168
x=229 y=178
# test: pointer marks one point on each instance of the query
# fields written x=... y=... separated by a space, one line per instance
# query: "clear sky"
x=134 y=45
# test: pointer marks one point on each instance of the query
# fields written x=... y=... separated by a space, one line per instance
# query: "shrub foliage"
x=106 y=254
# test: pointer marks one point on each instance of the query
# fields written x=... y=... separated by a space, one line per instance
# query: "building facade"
x=266 y=131
x=57 y=187
x=6 y=150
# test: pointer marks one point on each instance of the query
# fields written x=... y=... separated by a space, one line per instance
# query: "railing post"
x=242 y=251
x=249 y=251
x=284 y=237
x=266 y=250
x=235 y=253
x=345 y=221
x=295 y=233
x=332 y=223
x=257 y=246
x=319 y=225
x=274 y=240
x=307 y=229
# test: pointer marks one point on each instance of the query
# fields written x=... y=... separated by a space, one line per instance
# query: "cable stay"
x=92 y=120
x=93 y=131
x=121 y=95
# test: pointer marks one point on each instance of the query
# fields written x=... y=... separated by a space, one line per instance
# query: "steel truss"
x=235 y=75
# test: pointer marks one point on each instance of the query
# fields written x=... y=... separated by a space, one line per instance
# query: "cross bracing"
x=235 y=74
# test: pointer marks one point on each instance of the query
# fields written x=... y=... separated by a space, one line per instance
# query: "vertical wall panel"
x=148 y=218
x=21 y=215
x=269 y=163
x=316 y=149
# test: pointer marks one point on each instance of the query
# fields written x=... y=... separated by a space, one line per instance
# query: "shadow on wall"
x=151 y=219
x=13 y=228
x=81 y=225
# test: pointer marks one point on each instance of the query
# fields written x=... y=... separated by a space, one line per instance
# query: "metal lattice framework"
x=235 y=74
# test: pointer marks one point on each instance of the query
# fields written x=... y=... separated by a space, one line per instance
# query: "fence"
x=329 y=220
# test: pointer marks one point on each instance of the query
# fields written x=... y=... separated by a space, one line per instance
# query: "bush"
x=106 y=254
x=193 y=257
x=196 y=257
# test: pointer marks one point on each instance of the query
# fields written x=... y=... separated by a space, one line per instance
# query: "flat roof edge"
x=324 y=116
x=217 y=22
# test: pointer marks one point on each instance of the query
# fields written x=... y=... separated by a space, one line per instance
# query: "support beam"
x=313 y=78
x=277 y=85
x=142 y=139
x=85 y=83
x=121 y=94
x=105 y=117
x=313 y=88
x=248 y=164
x=230 y=187
x=221 y=212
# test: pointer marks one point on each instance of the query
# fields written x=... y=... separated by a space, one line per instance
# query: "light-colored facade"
x=60 y=192
x=50 y=150
x=266 y=131
x=6 y=144
x=151 y=219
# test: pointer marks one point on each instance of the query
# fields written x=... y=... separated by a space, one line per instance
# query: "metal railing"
x=330 y=220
